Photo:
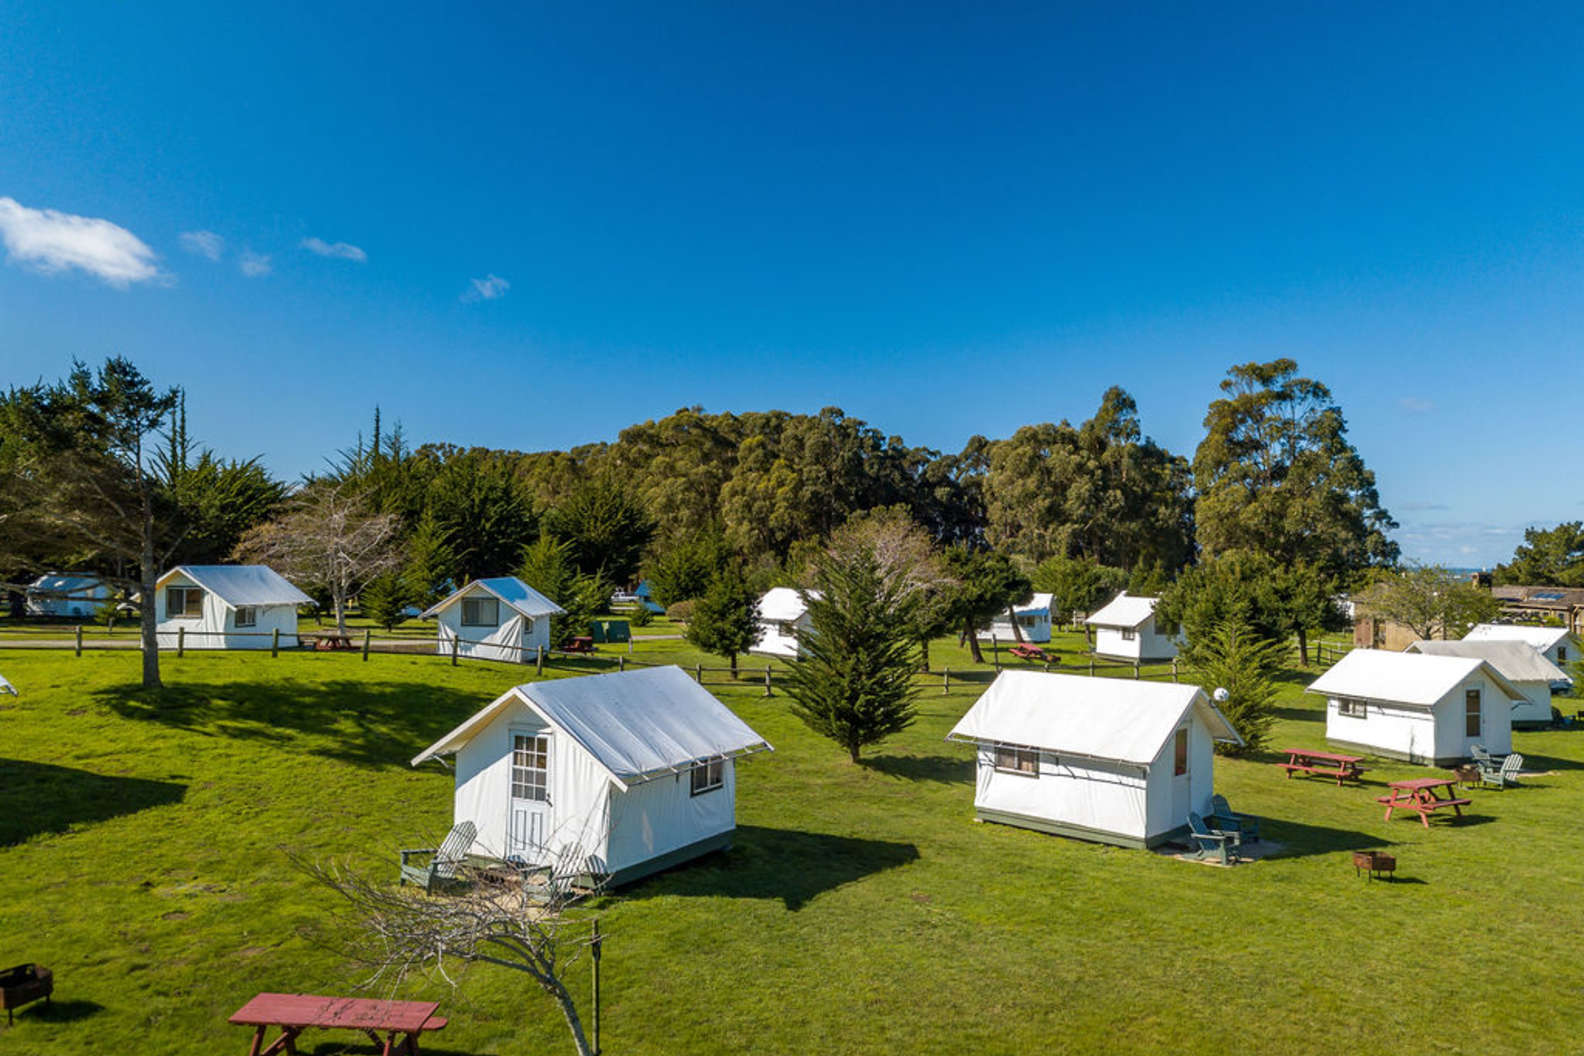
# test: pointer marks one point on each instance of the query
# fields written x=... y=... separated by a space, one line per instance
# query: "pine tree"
x=855 y=681
x=1235 y=659
x=726 y=619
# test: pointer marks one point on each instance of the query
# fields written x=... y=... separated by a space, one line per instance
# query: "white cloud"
x=51 y=242
x=203 y=243
x=489 y=288
x=343 y=250
x=1416 y=405
x=254 y=265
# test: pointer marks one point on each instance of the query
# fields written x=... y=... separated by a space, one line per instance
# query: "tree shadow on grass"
x=944 y=768
x=44 y=798
x=1542 y=763
x=382 y=725
x=787 y=864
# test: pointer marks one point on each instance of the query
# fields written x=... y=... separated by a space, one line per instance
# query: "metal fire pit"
x=23 y=985
x=1374 y=863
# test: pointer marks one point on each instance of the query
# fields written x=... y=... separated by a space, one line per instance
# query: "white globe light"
x=1220 y=694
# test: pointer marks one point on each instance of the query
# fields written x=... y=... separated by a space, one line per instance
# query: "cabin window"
x=1561 y=655
x=246 y=616
x=480 y=612
x=1017 y=760
x=183 y=602
x=530 y=771
x=1180 y=753
x=1128 y=634
x=1471 y=712
x=1352 y=707
x=1027 y=621
x=709 y=776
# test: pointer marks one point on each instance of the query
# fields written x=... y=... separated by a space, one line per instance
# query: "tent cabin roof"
x=1514 y=661
x=512 y=592
x=638 y=725
x=1124 y=610
x=1099 y=718
x=784 y=604
x=1404 y=678
x=65 y=582
x=1539 y=637
x=239 y=585
x=1038 y=603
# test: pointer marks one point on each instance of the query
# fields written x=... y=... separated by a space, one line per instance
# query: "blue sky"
x=528 y=227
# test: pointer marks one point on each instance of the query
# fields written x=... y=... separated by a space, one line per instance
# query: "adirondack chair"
x=441 y=868
x=1503 y=775
x=1484 y=758
x=1224 y=819
x=1207 y=843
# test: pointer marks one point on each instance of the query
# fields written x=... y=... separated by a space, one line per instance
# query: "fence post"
x=945 y=679
x=768 y=691
x=1174 y=669
x=1091 y=665
x=1135 y=669
x=456 y=642
x=621 y=662
x=79 y=639
x=181 y=640
x=698 y=673
x=366 y=633
x=275 y=642
x=539 y=663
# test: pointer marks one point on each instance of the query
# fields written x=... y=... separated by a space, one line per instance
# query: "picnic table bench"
x=323 y=641
x=1023 y=651
x=1323 y=764
x=399 y=1021
x=1420 y=796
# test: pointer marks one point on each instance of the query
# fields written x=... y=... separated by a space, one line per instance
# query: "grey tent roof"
x=511 y=591
x=1101 y=718
x=1404 y=678
x=1516 y=661
x=237 y=585
x=636 y=724
x=1124 y=610
x=66 y=583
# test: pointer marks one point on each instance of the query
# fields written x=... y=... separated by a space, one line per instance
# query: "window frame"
x=1024 y=762
x=713 y=772
x=252 y=616
x=1561 y=655
x=539 y=751
x=1180 y=755
x=1473 y=718
x=1353 y=707
x=479 y=601
x=1129 y=634
x=185 y=613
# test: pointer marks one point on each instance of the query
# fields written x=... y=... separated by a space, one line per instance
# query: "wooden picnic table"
x=1323 y=764
x=1420 y=796
x=399 y=1021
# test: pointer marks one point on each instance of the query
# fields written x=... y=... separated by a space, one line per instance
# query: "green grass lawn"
x=143 y=850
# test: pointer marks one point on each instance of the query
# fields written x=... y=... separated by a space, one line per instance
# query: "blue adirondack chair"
x=1224 y=819
x=1503 y=775
x=443 y=861
x=1207 y=843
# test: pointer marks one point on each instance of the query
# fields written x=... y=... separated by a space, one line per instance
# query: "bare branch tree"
x=329 y=538
x=524 y=924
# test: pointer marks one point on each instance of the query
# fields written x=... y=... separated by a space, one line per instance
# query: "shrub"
x=682 y=611
x=641 y=616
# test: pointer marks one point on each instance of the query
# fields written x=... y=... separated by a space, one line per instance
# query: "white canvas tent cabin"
x=1125 y=629
x=501 y=618
x=1556 y=644
x=1033 y=618
x=76 y=594
x=783 y=617
x=632 y=771
x=1519 y=663
x=225 y=607
x=1417 y=707
x=1105 y=759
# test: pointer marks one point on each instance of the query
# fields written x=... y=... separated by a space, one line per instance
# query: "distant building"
x=1556 y=644
x=1125 y=629
x=74 y=594
x=500 y=618
x=783 y=620
x=1033 y=622
x=1519 y=663
x=225 y=607
x=1561 y=605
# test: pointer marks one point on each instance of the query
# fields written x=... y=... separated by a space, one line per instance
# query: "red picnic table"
x=294 y=1013
x=1324 y=764
x=1419 y=795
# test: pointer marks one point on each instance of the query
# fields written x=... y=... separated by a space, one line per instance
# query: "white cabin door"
x=528 y=828
x=1182 y=779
